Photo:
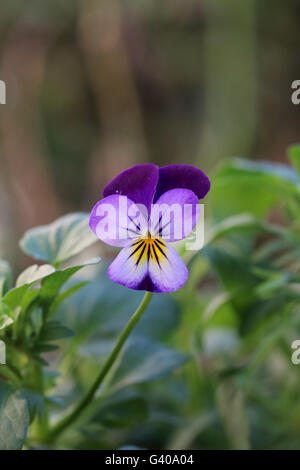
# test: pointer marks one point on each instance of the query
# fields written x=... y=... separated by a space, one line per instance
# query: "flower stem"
x=84 y=402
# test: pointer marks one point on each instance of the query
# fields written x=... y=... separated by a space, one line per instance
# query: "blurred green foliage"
x=207 y=368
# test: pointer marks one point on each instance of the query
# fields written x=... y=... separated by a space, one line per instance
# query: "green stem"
x=84 y=402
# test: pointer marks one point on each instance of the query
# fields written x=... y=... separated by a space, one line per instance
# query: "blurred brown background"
x=95 y=86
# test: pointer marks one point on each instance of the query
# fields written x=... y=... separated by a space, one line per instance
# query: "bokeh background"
x=95 y=86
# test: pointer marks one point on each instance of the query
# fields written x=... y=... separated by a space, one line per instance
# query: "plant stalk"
x=86 y=399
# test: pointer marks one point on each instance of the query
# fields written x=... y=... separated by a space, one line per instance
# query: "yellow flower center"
x=145 y=249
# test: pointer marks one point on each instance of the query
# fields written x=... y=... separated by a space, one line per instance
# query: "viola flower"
x=137 y=213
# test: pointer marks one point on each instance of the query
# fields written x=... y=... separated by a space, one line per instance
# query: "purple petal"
x=125 y=269
x=154 y=267
x=182 y=176
x=167 y=271
x=175 y=214
x=138 y=183
x=117 y=220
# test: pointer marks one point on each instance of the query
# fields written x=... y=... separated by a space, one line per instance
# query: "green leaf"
x=244 y=186
x=40 y=360
x=53 y=330
x=33 y=274
x=45 y=347
x=234 y=271
x=29 y=298
x=104 y=307
x=14 y=418
x=218 y=301
x=51 y=285
x=36 y=403
x=14 y=297
x=274 y=284
x=5 y=316
x=5 y=321
x=37 y=319
x=240 y=222
x=145 y=360
x=60 y=240
x=5 y=277
x=293 y=153
x=67 y=293
x=122 y=409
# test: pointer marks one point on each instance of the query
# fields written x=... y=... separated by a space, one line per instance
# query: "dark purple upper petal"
x=182 y=176
x=138 y=183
